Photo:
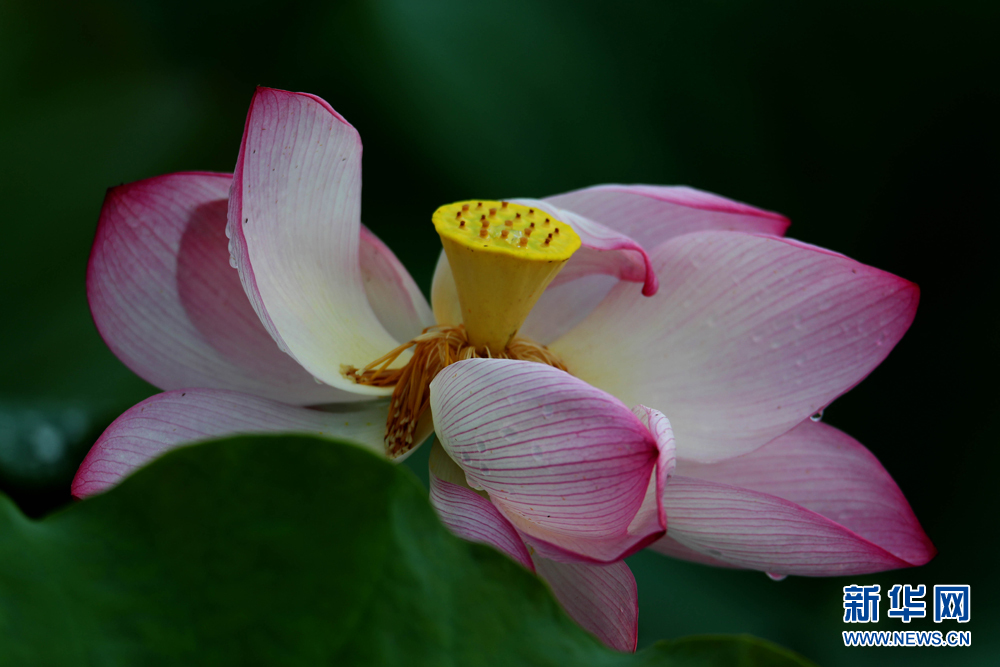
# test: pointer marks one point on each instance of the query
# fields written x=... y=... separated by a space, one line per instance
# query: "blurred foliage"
x=234 y=553
x=872 y=125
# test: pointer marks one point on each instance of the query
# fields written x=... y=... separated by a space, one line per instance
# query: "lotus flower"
x=736 y=334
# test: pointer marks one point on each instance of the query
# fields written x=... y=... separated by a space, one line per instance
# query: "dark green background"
x=872 y=125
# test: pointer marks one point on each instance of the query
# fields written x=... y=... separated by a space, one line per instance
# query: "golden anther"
x=433 y=350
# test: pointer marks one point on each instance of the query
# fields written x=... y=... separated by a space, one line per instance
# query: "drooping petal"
x=763 y=532
x=468 y=514
x=748 y=336
x=830 y=473
x=176 y=418
x=169 y=305
x=603 y=599
x=567 y=464
x=605 y=251
x=652 y=214
x=295 y=229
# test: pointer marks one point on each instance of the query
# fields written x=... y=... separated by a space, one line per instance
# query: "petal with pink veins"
x=567 y=464
x=652 y=214
x=169 y=305
x=295 y=230
x=176 y=418
x=468 y=514
x=604 y=251
x=603 y=599
x=748 y=336
x=831 y=474
x=668 y=546
x=763 y=532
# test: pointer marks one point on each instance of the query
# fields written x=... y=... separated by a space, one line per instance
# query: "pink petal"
x=561 y=307
x=394 y=296
x=605 y=251
x=652 y=214
x=295 y=228
x=175 y=418
x=642 y=216
x=763 y=532
x=603 y=599
x=658 y=425
x=830 y=473
x=668 y=546
x=568 y=465
x=167 y=302
x=444 y=293
x=748 y=336
x=468 y=514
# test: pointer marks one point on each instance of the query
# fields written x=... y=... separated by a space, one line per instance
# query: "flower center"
x=503 y=256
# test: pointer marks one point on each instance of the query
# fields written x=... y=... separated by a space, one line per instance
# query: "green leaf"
x=284 y=550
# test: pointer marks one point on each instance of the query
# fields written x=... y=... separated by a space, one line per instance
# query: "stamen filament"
x=434 y=349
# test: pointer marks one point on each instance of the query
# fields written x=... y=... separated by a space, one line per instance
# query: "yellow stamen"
x=433 y=350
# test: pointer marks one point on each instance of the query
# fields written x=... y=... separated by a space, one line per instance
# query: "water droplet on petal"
x=756 y=338
x=776 y=577
x=797 y=322
x=818 y=416
x=547 y=410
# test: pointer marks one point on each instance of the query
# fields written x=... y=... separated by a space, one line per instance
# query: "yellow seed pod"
x=503 y=256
